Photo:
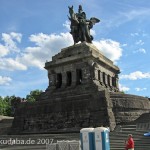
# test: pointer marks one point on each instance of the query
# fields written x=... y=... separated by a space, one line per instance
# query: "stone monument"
x=80 y=25
x=83 y=91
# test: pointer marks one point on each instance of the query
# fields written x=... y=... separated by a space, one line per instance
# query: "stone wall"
x=82 y=63
x=78 y=96
x=66 y=113
x=128 y=108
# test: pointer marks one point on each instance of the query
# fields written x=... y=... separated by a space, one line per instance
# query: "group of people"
x=129 y=143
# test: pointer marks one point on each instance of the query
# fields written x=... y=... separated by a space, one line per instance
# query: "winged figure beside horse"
x=80 y=26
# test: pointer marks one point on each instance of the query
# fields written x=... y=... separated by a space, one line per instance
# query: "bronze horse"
x=80 y=26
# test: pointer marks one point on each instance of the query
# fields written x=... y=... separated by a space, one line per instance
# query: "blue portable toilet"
x=86 y=138
x=101 y=139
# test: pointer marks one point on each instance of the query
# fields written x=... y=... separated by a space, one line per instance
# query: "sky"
x=32 y=31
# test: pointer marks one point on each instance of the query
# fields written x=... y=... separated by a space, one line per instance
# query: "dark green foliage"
x=33 y=96
x=9 y=103
x=5 y=105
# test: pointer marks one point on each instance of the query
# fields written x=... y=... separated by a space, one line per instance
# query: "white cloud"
x=111 y=49
x=45 y=47
x=92 y=32
x=10 y=41
x=136 y=14
x=139 y=33
x=142 y=50
x=127 y=16
x=123 y=88
x=134 y=34
x=67 y=25
x=140 y=42
x=136 y=75
x=16 y=36
x=3 y=51
x=124 y=45
x=140 y=89
x=10 y=64
x=5 y=80
x=9 y=47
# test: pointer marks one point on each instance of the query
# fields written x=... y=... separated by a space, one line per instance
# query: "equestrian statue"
x=80 y=26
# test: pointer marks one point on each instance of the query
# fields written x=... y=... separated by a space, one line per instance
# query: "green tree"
x=1 y=105
x=9 y=103
x=6 y=105
x=33 y=96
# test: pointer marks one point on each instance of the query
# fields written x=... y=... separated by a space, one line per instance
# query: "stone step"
x=3 y=126
x=126 y=132
x=24 y=147
x=62 y=92
x=66 y=97
x=116 y=143
x=128 y=125
x=126 y=129
x=117 y=138
x=119 y=95
x=9 y=121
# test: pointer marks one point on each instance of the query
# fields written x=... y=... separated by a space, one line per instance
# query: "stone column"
x=52 y=80
x=64 y=79
x=109 y=81
x=106 y=79
x=117 y=79
x=110 y=78
x=74 y=76
x=101 y=78
x=96 y=74
x=114 y=82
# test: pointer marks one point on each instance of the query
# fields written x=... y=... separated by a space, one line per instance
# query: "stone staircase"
x=117 y=138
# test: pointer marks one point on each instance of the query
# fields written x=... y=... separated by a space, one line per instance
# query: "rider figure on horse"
x=80 y=26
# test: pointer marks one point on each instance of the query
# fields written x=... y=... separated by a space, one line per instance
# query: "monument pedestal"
x=78 y=96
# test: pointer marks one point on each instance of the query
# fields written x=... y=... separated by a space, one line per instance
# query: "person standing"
x=130 y=143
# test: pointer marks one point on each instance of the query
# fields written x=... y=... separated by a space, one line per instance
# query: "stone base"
x=65 y=111
x=78 y=96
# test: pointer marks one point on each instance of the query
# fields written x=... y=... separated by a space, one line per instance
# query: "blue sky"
x=32 y=31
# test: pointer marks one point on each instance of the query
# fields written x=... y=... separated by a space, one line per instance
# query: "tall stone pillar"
x=114 y=82
x=110 y=81
x=101 y=78
x=117 y=79
x=74 y=76
x=52 y=80
x=106 y=79
x=64 y=79
x=96 y=74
